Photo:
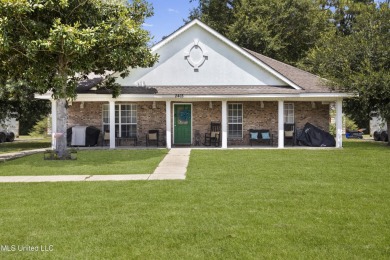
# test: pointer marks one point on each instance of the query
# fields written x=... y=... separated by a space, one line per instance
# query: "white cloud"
x=147 y=24
x=171 y=10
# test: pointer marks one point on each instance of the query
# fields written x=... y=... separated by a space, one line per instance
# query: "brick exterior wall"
x=254 y=117
x=149 y=118
x=202 y=116
x=90 y=115
x=318 y=116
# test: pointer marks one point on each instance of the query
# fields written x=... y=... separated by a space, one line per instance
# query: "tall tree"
x=359 y=62
x=52 y=45
x=284 y=30
x=218 y=14
x=344 y=12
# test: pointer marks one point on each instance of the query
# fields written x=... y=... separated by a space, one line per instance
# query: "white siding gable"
x=224 y=65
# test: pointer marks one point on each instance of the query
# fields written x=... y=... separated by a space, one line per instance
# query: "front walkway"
x=172 y=167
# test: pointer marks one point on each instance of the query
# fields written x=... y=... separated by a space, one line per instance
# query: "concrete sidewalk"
x=172 y=167
x=10 y=156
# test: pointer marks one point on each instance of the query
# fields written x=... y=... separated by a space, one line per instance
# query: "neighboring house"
x=377 y=123
x=10 y=125
x=202 y=77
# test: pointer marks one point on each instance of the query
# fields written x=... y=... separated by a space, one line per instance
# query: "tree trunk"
x=62 y=119
x=388 y=132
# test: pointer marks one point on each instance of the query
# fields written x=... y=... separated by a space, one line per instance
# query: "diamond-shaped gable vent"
x=196 y=56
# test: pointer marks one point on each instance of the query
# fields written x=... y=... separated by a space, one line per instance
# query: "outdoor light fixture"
x=261 y=104
x=210 y=104
x=313 y=105
x=154 y=105
x=81 y=105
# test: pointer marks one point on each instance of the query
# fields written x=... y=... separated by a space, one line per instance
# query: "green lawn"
x=92 y=162
x=23 y=144
x=234 y=204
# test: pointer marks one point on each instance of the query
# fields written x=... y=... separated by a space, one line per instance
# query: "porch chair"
x=106 y=138
x=260 y=136
x=152 y=136
x=214 y=136
x=290 y=133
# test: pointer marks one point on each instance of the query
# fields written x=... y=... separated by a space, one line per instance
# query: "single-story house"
x=203 y=77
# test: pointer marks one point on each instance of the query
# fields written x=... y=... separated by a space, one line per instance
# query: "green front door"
x=182 y=126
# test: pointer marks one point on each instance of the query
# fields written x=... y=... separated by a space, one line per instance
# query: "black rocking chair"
x=290 y=133
x=152 y=136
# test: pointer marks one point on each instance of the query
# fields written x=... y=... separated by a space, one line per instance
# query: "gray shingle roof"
x=85 y=85
x=309 y=82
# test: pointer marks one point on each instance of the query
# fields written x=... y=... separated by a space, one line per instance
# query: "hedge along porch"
x=212 y=79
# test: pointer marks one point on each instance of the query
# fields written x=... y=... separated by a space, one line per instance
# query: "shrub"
x=40 y=128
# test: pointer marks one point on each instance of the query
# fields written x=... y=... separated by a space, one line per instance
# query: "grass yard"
x=234 y=204
x=23 y=144
x=94 y=162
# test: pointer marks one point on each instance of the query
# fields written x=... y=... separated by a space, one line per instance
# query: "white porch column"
x=224 y=124
x=168 y=124
x=112 y=124
x=339 y=123
x=53 y=123
x=280 y=124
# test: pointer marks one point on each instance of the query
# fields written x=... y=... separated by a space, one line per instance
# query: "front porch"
x=134 y=119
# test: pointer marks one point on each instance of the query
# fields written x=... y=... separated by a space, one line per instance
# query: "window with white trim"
x=234 y=120
x=289 y=113
x=125 y=119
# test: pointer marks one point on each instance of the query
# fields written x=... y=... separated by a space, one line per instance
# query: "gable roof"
x=297 y=81
x=228 y=42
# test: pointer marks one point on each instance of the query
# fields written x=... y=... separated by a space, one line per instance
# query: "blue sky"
x=168 y=17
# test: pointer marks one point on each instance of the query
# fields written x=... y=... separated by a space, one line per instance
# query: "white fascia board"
x=271 y=97
x=337 y=95
x=138 y=97
x=46 y=96
x=300 y=95
x=123 y=97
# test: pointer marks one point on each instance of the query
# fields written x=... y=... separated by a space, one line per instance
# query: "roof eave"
x=188 y=97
